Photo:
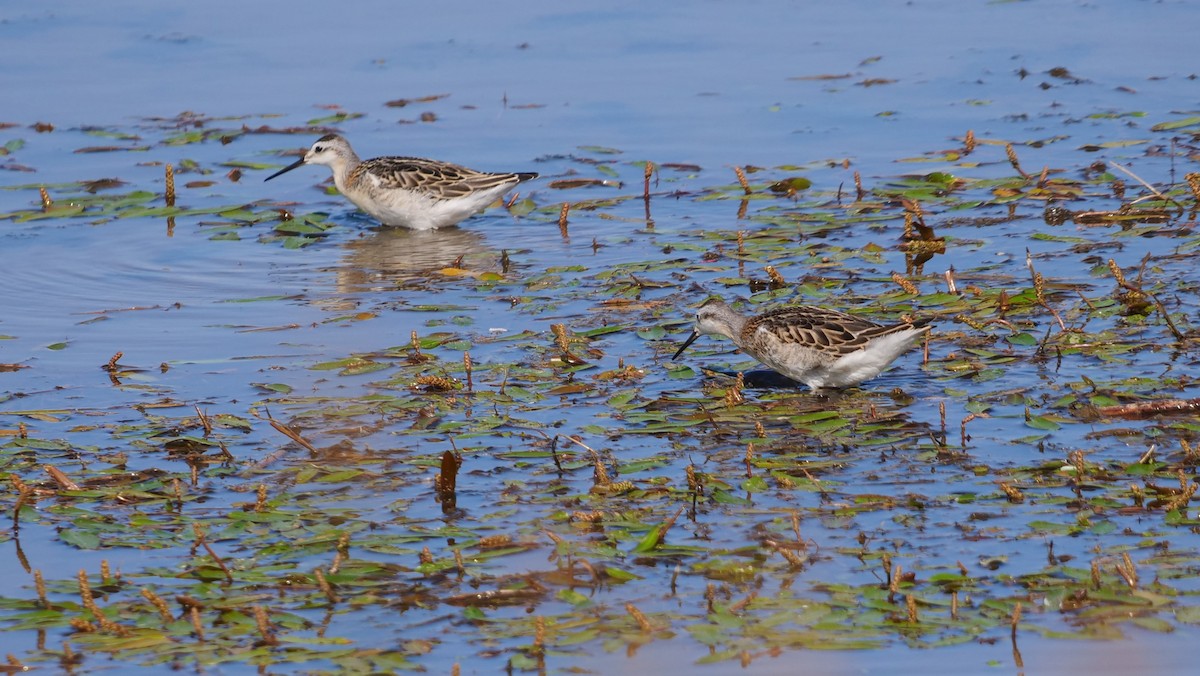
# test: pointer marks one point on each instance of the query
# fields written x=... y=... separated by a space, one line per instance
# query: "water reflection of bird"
x=813 y=345
x=407 y=191
x=392 y=257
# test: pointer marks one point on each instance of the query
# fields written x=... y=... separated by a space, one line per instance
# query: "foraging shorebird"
x=407 y=191
x=812 y=345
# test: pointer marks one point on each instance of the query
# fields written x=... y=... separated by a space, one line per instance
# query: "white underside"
x=409 y=209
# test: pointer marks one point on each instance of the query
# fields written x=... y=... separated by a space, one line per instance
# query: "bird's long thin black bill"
x=293 y=165
x=691 y=339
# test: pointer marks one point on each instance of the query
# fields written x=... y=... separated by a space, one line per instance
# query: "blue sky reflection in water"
x=702 y=81
x=716 y=85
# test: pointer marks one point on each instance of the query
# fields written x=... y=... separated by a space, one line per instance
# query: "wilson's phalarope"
x=407 y=191
x=815 y=346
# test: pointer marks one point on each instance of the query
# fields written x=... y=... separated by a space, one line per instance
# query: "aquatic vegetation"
x=457 y=448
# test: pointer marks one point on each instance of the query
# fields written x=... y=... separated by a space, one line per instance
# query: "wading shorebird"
x=812 y=345
x=410 y=192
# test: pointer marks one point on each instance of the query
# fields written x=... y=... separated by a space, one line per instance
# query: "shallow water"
x=217 y=311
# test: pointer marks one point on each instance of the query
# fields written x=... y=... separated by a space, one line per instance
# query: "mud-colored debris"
x=572 y=183
x=495 y=598
x=789 y=187
x=401 y=103
x=436 y=384
x=64 y=482
x=446 y=481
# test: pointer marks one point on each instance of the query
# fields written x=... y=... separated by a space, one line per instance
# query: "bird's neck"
x=734 y=323
x=343 y=168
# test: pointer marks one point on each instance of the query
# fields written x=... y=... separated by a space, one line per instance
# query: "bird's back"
x=826 y=348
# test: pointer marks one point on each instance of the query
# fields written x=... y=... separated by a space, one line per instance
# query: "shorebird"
x=407 y=191
x=812 y=345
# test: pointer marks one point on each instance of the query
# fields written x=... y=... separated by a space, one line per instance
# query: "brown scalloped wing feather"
x=829 y=331
x=439 y=180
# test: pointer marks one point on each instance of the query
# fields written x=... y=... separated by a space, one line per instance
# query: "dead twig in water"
x=1039 y=289
x=288 y=432
x=1133 y=289
x=1016 y=619
x=1148 y=186
x=1146 y=409
x=201 y=541
x=205 y=422
x=24 y=492
x=64 y=482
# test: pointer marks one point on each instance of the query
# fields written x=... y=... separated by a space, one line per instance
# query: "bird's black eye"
x=318 y=149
